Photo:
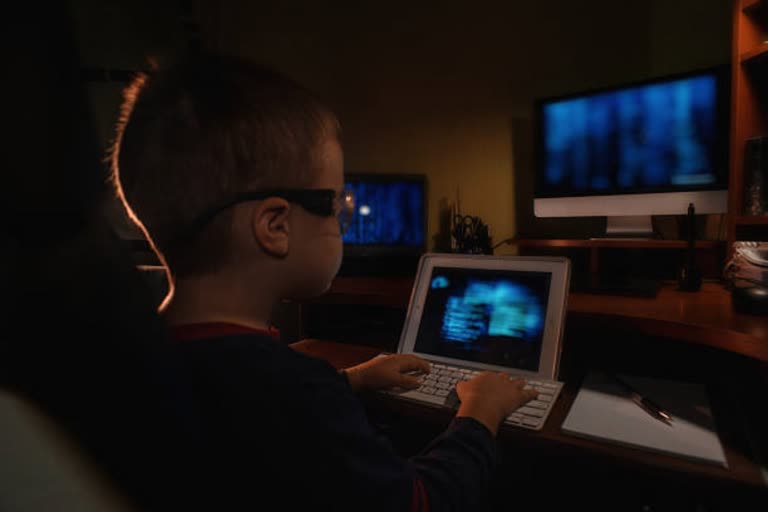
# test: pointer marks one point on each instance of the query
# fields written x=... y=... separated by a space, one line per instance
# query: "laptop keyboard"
x=438 y=384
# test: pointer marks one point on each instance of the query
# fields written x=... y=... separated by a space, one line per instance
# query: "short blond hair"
x=195 y=134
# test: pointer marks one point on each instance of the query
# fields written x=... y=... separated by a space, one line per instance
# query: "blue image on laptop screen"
x=488 y=316
x=387 y=213
x=643 y=138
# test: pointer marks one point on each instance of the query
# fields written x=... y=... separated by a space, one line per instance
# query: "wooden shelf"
x=650 y=257
x=751 y=220
x=754 y=54
x=615 y=243
x=749 y=93
x=752 y=6
x=705 y=317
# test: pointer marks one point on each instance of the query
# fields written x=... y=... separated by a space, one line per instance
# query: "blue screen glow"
x=387 y=213
x=492 y=308
x=644 y=138
x=495 y=317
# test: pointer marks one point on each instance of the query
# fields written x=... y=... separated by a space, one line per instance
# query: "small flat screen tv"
x=635 y=150
x=388 y=232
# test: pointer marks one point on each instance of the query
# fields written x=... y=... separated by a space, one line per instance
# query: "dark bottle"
x=689 y=279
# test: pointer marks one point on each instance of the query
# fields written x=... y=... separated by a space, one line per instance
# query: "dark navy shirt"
x=285 y=428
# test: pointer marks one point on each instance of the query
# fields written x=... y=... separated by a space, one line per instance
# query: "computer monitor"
x=388 y=232
x=635 y=150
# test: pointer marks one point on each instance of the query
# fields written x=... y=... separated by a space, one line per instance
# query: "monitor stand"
x=633 y=227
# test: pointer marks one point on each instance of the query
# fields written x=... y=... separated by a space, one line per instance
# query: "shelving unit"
x=749 y=110
x=660 y=258
x=753 y=220
x=753 y=54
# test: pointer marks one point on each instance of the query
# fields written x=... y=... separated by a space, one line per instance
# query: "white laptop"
x=469 y=314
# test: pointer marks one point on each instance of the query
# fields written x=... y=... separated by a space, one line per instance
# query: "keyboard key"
x=537 y=404
x=443 y=385
x=531 y=422
x=442 y=392
x=544 y=398
x=429 y=390
x=543 y=390
x=530 y=411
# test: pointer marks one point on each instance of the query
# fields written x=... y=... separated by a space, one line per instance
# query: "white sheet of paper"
x=604 y=411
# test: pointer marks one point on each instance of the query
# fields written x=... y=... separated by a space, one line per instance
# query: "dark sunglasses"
x=317 y=201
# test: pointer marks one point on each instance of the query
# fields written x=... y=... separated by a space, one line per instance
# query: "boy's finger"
x=415 y=363
x=409 y=382
x=519 y=383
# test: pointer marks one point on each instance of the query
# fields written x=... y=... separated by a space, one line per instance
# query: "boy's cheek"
x=329 y=263
x=315 y=269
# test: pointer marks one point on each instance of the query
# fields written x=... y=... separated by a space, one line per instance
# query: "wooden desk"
x=701 y=318
x=676 y=334
x=743 y=476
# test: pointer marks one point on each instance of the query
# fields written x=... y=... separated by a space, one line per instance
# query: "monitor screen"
x=389 y=211
x=489 y=316
x=633 y=151
x=647 y=138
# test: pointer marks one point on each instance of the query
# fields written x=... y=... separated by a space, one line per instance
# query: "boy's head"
x=198 y=144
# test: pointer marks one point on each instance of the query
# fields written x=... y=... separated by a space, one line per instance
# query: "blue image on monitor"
x=659 y=136
x=489 y=316
x=387 y=213
x=492 y=308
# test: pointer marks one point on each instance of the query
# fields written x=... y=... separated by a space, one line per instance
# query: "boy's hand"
x=387 y=372
x=490 y=397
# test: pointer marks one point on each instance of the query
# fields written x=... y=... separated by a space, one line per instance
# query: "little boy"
x=237 y=175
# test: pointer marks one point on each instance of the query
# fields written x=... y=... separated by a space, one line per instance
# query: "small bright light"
x=365 y=210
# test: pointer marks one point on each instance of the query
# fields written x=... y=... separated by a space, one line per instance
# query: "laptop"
x=474 y=313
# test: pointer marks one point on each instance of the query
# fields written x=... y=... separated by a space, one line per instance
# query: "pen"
x=644 y=402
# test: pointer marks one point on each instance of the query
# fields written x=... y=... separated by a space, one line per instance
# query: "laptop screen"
x=489 y=316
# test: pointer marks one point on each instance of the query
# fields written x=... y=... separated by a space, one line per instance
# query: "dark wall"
x=445 y=89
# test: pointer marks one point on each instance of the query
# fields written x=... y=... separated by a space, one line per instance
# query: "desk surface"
x=705 y=317
x=742 y=470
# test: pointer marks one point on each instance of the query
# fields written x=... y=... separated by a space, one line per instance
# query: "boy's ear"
x=270 y=226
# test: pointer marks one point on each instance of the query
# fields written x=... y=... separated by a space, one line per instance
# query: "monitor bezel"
x=558 y=267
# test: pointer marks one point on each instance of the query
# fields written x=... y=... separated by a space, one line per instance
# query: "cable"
x=505 y=241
